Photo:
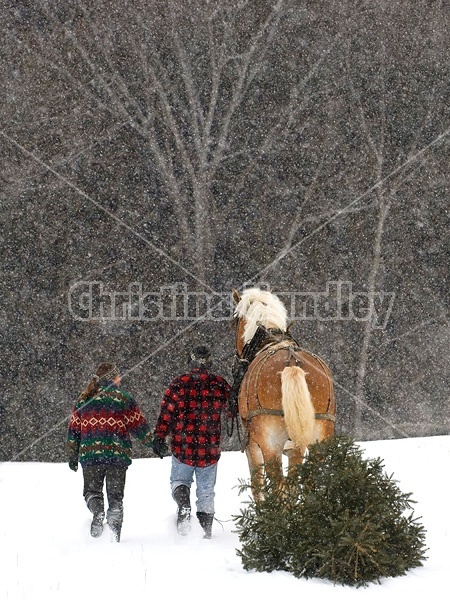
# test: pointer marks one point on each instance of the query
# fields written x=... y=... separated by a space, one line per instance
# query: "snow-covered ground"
x=46 y=551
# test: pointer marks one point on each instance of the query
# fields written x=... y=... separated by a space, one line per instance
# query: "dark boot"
x=114 y=519
x=181 y=495
x=95 y=505
x=206 y=521
x=97 y=524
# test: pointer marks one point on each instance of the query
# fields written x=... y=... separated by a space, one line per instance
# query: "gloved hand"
x=73 y=463
x=159 y=447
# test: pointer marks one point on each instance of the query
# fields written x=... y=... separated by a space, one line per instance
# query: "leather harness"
x=285 y=344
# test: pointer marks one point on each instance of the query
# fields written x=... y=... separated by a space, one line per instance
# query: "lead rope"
x=231 y=422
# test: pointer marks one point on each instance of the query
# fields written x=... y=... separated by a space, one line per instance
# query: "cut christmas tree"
x=337 y=516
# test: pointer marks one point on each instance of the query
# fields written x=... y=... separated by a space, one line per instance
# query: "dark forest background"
x=217 y=144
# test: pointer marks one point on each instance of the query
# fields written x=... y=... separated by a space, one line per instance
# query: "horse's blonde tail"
x=299 y=414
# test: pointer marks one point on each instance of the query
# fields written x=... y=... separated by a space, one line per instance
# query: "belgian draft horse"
x=286 y=399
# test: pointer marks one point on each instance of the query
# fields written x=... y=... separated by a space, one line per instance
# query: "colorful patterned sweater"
x=190 y=413
x=100 y=428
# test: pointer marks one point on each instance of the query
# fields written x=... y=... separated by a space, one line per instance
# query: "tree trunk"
x=383 y=205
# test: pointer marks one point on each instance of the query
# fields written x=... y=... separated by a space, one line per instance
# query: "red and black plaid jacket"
x=190 y=413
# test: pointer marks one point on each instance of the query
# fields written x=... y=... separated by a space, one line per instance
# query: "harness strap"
x=280 y=413
x=325 y=417
x=264 y=411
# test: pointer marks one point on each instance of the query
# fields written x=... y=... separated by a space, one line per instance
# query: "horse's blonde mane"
x=260 y=306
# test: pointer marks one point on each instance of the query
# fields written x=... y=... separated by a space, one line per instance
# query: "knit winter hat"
x=201 y=355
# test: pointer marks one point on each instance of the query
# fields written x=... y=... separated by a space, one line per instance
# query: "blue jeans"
x=205 y=478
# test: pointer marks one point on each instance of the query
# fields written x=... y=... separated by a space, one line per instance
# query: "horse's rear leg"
x=256 y=466
x=262 y=460
x=295 y=455
x=322 y=430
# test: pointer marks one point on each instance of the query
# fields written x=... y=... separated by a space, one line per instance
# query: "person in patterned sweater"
x=190 y=414
x=98 y=437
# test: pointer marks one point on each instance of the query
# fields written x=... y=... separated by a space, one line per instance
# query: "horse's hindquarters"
x=261 y=390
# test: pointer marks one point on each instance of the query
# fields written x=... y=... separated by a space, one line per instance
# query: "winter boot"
x=206 y=521
x=95 y=505
x=181 y=495
x=97 y=524
x=114 y=519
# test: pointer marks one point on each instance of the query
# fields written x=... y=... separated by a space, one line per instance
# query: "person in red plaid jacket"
x=190 y=414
